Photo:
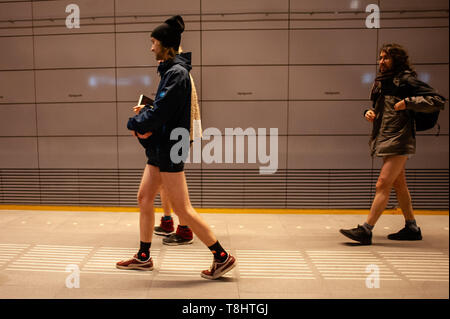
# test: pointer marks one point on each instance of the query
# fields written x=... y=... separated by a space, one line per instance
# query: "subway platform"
x=72 y=254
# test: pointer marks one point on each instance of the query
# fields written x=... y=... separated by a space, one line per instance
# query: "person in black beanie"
x=171 y=110
x=169 y=33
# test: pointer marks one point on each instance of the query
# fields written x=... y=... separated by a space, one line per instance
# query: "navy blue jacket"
x=172 y=105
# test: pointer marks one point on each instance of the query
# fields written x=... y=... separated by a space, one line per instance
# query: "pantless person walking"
x=183 y=234
x=171 y=110
x=396 y=95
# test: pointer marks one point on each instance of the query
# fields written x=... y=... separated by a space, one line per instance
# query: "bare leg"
x=403 y=196
x=392 y=168
x=179 y=198
x=167 y=208
x=411 y=231
x=165 y=203
x=148 y=189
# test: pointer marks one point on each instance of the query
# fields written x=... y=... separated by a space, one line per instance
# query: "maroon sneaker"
x=135 y=263
x=165 y=228
x=219 y=269
x=183 y=236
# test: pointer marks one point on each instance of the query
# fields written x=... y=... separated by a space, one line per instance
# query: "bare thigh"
x=392 y=169
x=176 y=188
x=150 y=185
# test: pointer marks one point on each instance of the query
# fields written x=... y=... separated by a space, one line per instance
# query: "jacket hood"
x=183 y=59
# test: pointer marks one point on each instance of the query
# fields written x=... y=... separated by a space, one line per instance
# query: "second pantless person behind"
x=397 y=95
x=171 y=110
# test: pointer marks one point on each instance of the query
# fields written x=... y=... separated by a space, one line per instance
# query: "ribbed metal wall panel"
x=222 y=188
x=321 y=188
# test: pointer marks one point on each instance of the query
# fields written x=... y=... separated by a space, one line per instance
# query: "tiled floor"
x=42 y=253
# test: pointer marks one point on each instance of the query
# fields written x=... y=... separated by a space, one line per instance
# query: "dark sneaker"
x=358 y=234
x=135 y=263
x=406 y=234
x=183 y=236
x=165 y=228
x=219 y=269
x=175 y=239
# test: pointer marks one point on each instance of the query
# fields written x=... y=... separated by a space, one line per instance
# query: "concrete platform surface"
x=60 y=254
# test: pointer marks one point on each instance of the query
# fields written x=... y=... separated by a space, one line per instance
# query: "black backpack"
x=426 y=121
x=423 y=121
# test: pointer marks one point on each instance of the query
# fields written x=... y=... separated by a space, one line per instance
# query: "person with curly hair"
x=396 y=95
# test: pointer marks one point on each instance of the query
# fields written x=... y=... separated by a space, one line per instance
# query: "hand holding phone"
x=137 y=109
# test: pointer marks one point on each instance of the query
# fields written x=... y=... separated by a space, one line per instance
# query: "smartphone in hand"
x=144 y=100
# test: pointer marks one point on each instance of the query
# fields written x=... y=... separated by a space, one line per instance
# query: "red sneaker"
x=165 y=228
x=219 y=269
x=135 y=263
x=183 y=236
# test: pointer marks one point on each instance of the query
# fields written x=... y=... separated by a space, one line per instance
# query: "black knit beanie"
x=169 y=33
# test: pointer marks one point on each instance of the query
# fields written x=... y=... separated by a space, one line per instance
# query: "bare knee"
x=383 y=185
x=185 y=213
x=145 y=199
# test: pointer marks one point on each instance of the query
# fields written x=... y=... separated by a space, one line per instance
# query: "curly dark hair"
x=399 y=57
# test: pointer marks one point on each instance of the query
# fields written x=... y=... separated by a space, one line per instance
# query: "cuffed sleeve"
x=166 y=103
x=425 y=104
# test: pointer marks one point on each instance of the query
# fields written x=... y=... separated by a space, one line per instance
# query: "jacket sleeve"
x=423 y=97
x=166 y=103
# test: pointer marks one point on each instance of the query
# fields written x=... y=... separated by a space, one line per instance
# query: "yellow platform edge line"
x=219 y=210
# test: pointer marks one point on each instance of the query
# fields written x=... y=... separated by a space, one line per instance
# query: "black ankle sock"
x=183 y=227
x=411 y=224
x=368 y=228
x=219 y=253
x=144 y=251
x=166 y=218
